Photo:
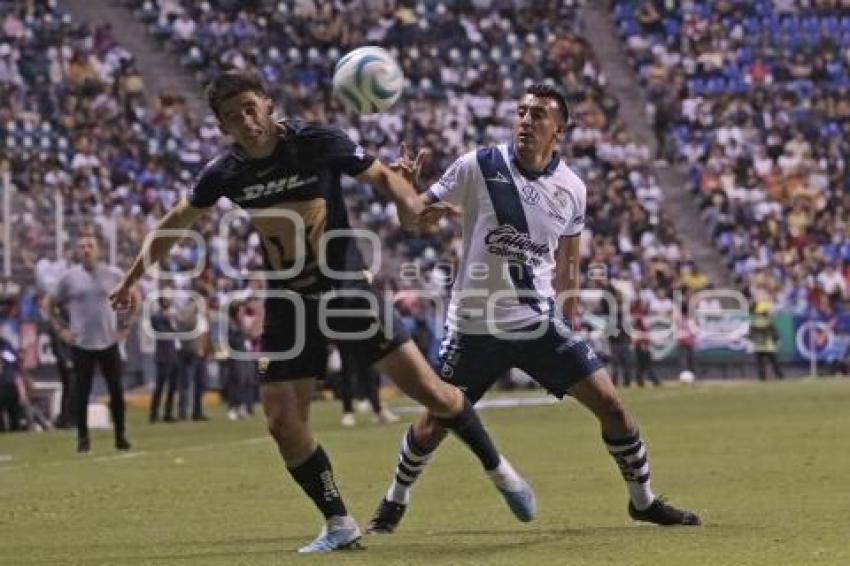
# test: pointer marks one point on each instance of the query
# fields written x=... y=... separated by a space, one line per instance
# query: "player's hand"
x=433 y=213
x=122 y=298
x=410 y=166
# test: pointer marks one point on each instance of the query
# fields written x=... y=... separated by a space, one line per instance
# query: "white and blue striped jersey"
x=512 y=221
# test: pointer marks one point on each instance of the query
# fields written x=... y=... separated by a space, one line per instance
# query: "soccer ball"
x=687 y=377
x=367 y=80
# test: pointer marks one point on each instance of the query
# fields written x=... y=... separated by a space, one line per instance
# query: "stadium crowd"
x=752 y=98
x=76 y=122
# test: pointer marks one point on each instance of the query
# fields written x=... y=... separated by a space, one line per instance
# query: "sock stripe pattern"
x=411 y=460
x=631 y=458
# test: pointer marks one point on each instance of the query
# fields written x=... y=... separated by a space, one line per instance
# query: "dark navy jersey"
x=301 y=177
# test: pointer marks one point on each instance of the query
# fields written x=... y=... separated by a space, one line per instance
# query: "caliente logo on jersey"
x=508 y=242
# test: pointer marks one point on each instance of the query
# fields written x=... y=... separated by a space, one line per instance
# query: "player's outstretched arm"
x=567 y=279
x=400 y=190
x=154 y=248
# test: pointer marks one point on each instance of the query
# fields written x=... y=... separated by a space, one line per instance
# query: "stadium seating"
x=760 y=120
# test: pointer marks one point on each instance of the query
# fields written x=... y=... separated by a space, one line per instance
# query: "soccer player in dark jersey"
x=287 y=174
x=523 y=210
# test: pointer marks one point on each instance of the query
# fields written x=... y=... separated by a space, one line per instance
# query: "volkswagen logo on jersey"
x=529 y=195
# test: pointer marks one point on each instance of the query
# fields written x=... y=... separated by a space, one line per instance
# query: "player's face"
x=88 y=250
x=537 y=126
x=247 y=117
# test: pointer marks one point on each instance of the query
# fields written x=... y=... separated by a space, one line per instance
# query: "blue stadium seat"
x=831 y=24
x=672 y=27
x=810 y=23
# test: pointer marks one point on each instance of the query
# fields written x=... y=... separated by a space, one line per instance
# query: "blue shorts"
x=556 y=360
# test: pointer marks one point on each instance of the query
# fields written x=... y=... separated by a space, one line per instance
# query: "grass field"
x=766 y=466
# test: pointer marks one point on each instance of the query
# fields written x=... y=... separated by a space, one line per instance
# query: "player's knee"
x=443 y=399
x=294 y=441
x=282 y=429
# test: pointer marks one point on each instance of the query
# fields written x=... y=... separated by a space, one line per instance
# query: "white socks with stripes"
x=630 y=455
x=412 y=459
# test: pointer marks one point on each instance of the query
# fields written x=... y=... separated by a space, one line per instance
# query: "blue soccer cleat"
x=338 y=537
x=515 y=490
x=521 y=500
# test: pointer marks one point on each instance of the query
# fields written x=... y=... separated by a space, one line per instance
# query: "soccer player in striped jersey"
x=523 y=212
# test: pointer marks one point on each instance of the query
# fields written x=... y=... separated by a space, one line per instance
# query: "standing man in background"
x=93 y=334
x=619 y=341
x=168 y=363
x=363 y=382
x=641 y=342
x=765 y=339
x=194 y=354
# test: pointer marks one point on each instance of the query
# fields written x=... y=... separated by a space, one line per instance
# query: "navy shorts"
x=556 y=360
x=370 y=331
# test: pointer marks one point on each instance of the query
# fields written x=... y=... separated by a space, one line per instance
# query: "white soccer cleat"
x=517 y=492
x=348 y=420
x=522 y=502
x=342 y=536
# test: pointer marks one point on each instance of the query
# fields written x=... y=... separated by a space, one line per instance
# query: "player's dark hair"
x=545 y=90
x=229 y=84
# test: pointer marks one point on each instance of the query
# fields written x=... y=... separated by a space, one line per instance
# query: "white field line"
x=139 y=454
x=504 y=403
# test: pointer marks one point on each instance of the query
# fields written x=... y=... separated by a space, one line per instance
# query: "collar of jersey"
x=548 y=170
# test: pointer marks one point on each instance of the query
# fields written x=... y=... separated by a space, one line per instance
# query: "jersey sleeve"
x=339 y=152
x=116 y=274
x=457 y=180
x=207 y=188
x=575 y=224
